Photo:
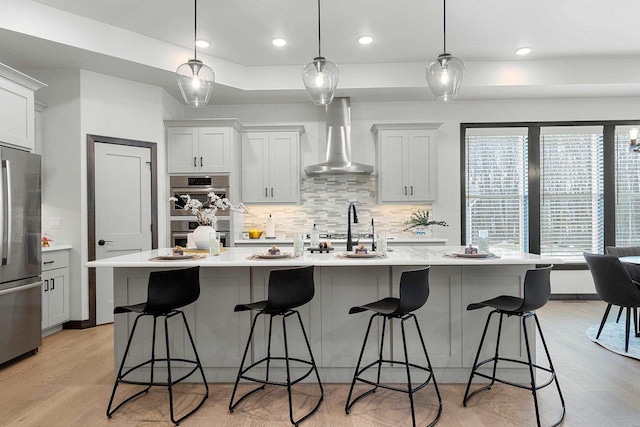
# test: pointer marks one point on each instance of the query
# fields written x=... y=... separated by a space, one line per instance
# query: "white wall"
x=80 y=103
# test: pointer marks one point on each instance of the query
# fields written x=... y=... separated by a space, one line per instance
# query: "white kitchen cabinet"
x=55 y=288
x=271 y=164
x=406 y=157
x=200 y=147
x=17 y=108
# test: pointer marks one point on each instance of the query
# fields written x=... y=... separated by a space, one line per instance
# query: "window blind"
x=496 y=188
x=627 y=191
x=571 y=191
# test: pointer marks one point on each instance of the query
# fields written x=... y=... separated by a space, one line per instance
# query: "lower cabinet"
x=55 y=288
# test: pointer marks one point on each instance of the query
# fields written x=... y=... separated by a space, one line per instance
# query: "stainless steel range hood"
x=339 y=144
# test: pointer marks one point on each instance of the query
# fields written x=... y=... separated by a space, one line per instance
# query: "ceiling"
x=407 y=36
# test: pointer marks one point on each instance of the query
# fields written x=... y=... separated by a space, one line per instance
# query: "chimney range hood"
x=339 y=144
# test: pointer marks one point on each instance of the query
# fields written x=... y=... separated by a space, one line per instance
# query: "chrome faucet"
x=355 y=221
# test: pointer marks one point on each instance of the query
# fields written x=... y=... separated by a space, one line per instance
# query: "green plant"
x=421 y=218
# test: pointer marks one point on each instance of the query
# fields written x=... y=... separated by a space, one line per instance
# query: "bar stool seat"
x=414 y=292
x=167 y=291
x=537 y=289
x=288 y=289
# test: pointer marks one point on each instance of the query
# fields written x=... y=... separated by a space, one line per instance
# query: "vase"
x=423 y=232
x=201 y=236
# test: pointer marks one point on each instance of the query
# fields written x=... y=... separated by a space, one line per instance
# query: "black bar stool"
x=167 y=291
x=288 y=289
x=414 y=292
x=537 y=289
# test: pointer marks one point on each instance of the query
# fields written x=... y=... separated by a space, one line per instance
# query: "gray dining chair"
x=632 y=269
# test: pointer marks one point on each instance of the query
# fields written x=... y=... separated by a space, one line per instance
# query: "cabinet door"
x=393 y=166
x=255 y=170
x=421 y=161
x=214 y=150
x=58 y=296
x=182 y=150
x=284 y=167
x=17 y=114
x=45 y=299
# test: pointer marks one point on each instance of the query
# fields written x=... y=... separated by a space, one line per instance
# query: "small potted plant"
x=420 y=219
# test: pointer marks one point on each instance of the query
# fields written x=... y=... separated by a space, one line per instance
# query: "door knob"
x=102 y=242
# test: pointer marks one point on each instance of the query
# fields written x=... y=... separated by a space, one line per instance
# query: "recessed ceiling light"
x=279 y=42
x=365 y=39
x=522 y=51
x=202 y=43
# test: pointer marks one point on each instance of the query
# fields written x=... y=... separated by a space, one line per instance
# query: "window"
x=571 y=191
x=497 y=194
x=627 y=191
x=553 y=188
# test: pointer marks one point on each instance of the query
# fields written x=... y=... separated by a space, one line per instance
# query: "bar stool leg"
x=533 y=381
x=119 y=376
x=240 y=370
x=286 y=359
x=431 y=373
x=269 y=346
x=169 y=383
x=467 y=396
x=553 y=370
x=349 y=404
x=628 y=328
x=153 y=350
x=384 y=325
x=315 y=368
x=495 y=357
x=406 y=360
x=195 y=352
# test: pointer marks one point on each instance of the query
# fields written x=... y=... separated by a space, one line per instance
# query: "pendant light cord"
x=444 y=24
x=319 y=38
x=195 y=27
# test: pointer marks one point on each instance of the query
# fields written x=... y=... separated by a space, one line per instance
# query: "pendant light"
x=445 y=73
x=320 y=76
x=195 y=79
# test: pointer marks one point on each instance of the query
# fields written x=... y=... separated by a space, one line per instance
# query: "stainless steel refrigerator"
x=20 y=268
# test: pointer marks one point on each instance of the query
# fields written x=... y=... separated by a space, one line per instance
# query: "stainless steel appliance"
x=197 y=187
x=20 y=282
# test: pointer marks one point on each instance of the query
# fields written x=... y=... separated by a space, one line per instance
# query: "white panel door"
x=123 y=212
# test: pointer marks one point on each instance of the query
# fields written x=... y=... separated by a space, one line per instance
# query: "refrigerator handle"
x=6 y=213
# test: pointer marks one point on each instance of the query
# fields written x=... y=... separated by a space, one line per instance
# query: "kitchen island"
x=451 y=333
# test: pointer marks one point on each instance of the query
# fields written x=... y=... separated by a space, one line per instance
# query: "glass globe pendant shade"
x=444 y=76
x=320 y=77
x=195 y=80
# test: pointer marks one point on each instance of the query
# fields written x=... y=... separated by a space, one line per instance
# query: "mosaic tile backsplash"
x=324 y=202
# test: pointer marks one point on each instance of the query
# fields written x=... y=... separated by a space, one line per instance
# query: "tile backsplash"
x=324 y=201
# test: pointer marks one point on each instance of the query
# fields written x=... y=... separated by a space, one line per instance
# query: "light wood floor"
x=68 y=383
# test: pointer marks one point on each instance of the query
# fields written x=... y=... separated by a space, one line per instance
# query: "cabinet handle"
x=200 y=161
x=266 y=192
x=48 y=262
x=405 y=190
x=412 y=190
x=194 y=162
x=46 y=285
x=53 y=284
x=271 y=191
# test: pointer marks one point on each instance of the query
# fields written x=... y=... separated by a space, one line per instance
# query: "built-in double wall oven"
x=197 y=187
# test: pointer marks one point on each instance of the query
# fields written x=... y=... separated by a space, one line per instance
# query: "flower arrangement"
x=420 y=218
x=46 y=239
x=205 y=212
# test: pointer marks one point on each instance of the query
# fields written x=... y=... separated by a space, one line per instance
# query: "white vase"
x=201 y=236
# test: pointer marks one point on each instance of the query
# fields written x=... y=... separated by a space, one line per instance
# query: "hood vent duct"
x=339 y=144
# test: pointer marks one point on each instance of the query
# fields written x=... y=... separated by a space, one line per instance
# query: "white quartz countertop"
x=392 y=240
x=56 y=248
x=401 y=255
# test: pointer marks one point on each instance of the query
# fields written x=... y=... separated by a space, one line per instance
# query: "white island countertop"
x=400 y=255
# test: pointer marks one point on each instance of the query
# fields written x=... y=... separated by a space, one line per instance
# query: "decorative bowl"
x=255 y=234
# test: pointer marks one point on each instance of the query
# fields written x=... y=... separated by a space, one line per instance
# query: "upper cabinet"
x=201 y=146
x=271 y=164
x=406 y=157
x=17 y=108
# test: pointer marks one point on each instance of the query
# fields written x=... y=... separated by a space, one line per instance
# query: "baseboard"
x=77 y=324
x=574 y=297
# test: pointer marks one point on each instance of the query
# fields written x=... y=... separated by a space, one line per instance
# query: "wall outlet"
x=54 y=222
